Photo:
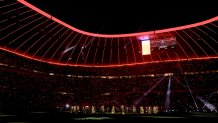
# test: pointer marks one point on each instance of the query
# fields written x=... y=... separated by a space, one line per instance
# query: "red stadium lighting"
x=42 y=37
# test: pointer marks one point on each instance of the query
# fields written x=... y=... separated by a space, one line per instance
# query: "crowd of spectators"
x=29 y=85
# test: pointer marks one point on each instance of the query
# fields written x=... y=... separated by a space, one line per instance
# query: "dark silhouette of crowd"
x=27 y=85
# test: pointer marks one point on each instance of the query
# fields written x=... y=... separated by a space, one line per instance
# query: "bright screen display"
x=146 y=47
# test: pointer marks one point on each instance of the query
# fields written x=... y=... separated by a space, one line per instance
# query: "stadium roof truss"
x=32 y=33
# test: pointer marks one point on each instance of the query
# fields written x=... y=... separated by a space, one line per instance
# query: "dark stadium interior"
x=50 y=71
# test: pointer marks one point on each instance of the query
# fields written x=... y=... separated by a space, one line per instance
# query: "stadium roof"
x=109 y=17
x=33 y=33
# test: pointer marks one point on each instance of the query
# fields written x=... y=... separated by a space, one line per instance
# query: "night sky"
x=112 y=17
